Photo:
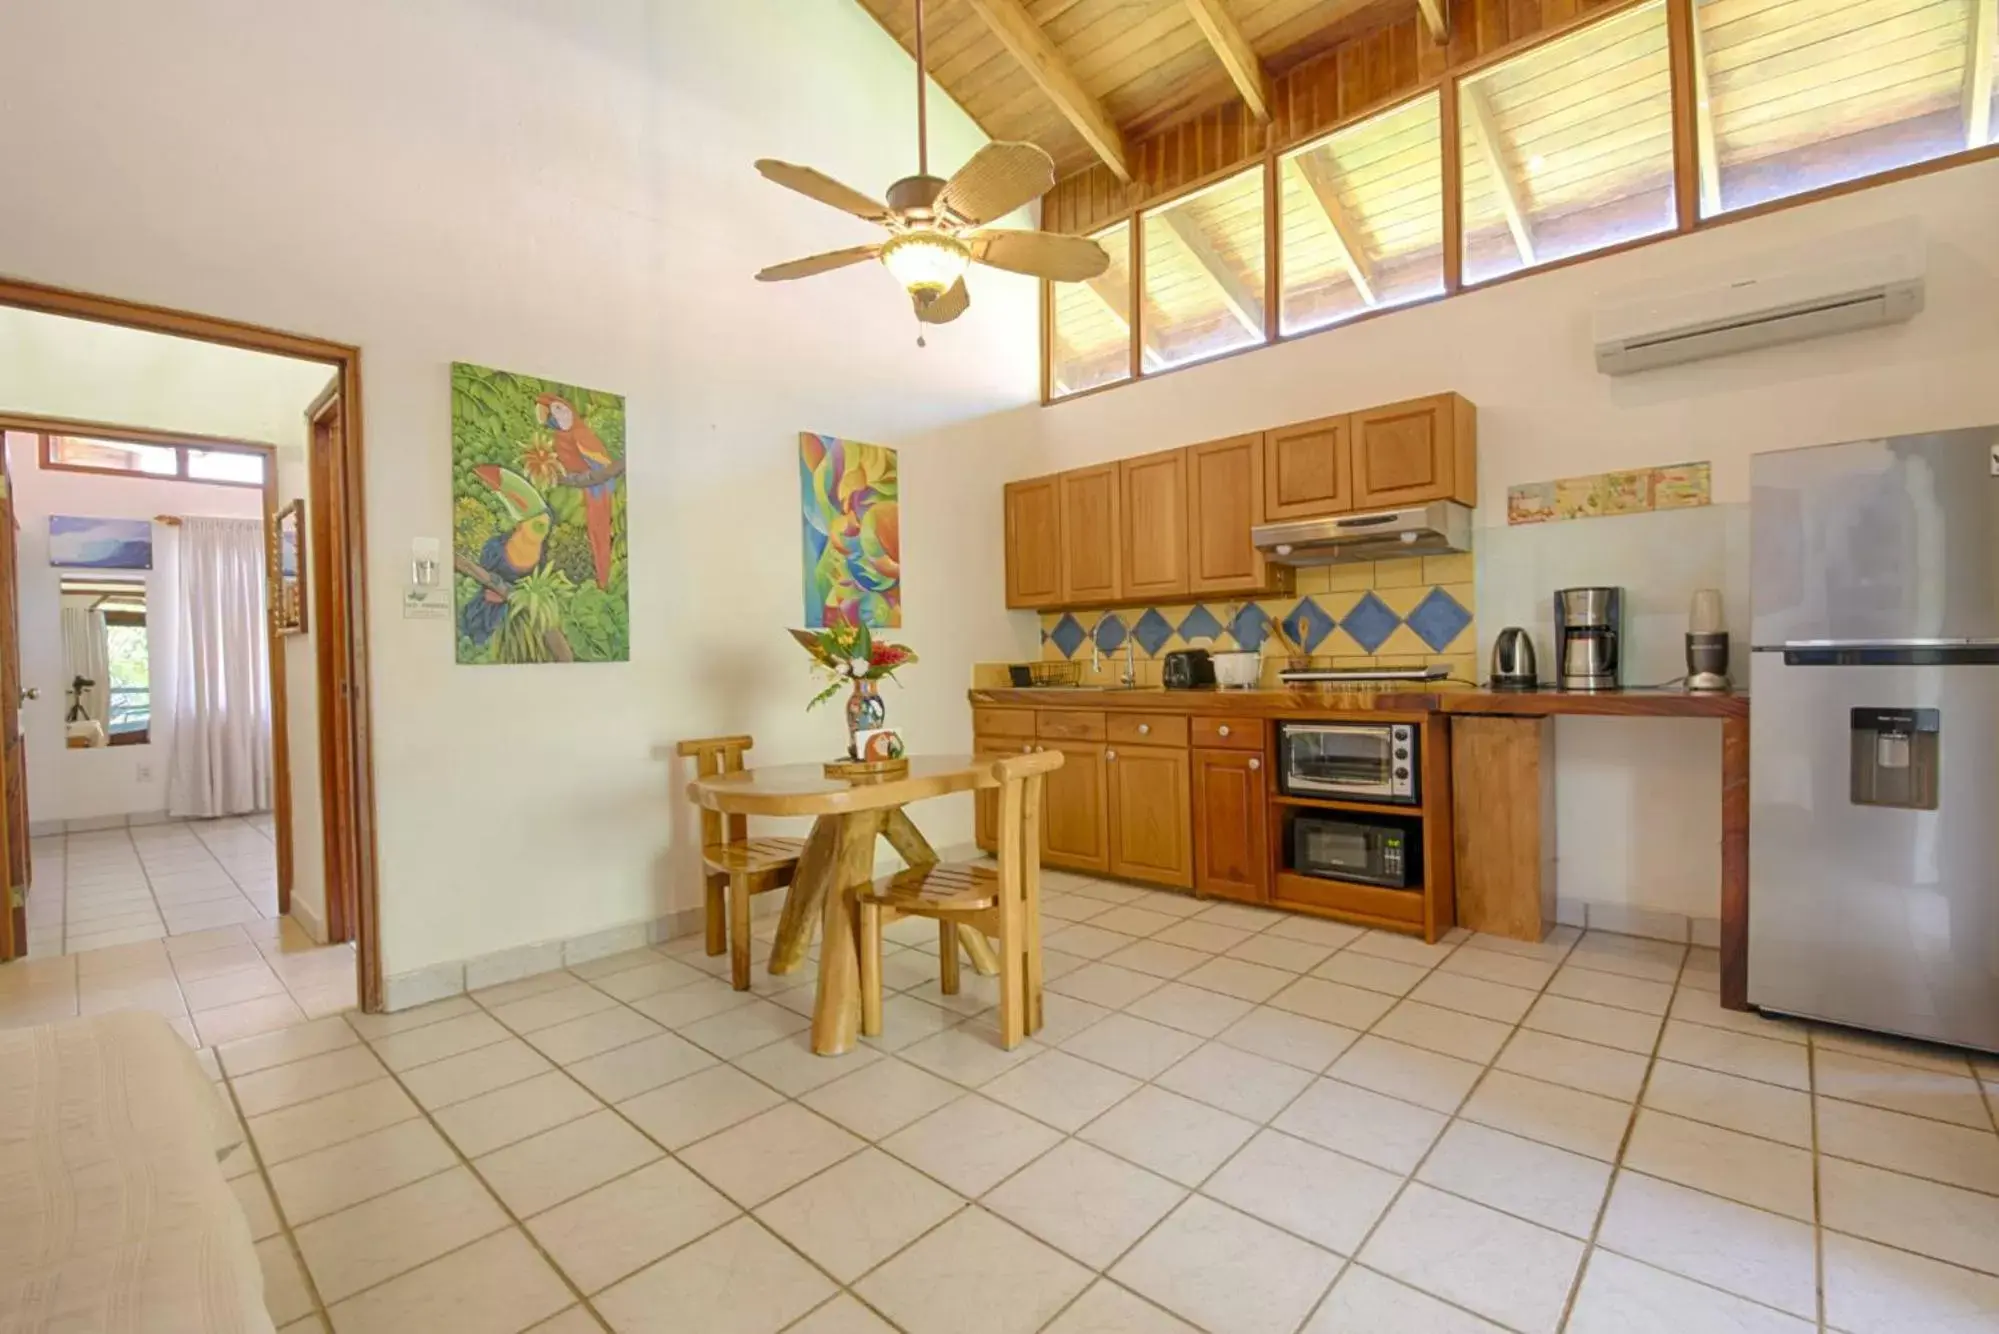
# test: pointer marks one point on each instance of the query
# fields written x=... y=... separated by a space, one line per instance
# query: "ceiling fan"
x=937 y=227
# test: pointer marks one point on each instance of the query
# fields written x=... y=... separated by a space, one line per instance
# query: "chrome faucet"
x=1096 y=656
x=1129 y=677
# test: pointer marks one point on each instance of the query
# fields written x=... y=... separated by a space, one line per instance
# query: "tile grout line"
x=1818 y=1184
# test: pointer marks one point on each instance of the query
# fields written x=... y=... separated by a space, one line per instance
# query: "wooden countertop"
x=1391 y=699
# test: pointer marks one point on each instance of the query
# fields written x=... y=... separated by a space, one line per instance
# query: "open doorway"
x=316 y=836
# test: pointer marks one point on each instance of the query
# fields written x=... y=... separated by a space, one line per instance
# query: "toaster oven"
x=1361 y=761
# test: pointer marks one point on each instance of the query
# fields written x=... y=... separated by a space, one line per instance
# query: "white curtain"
x=222 y=681
x=85 y=652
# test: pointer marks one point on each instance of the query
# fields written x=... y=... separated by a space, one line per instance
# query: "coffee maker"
x=1589 y=622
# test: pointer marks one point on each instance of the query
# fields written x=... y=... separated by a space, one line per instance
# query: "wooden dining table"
x=839 y=858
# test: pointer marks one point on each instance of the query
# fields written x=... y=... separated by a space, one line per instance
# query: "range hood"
x=1419 y=530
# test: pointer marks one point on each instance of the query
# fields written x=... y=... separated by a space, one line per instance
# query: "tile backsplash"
x=1394 y=613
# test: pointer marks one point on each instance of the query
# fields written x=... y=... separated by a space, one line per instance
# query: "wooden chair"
x=1004 y=902
x=735 y=866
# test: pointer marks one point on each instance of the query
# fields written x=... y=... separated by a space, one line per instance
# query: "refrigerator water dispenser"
x=1895 y=758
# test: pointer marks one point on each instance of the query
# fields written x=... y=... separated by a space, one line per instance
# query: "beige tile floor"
x=124 y=885
x=1235 y=1121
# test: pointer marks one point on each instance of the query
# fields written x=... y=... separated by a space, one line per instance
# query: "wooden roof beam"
x=1346 y=235
x=1238 y=57
x=1186 y=234
x=1486 y=128
x=1978 y=57
x=1707 y=150
x=1437 y=18
x=1023 y=38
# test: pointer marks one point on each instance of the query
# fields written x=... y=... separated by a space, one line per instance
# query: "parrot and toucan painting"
x=538 y=520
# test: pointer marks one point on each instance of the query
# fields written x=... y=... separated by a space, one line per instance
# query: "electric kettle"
x=1513 y=661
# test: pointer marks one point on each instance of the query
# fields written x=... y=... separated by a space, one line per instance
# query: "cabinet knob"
x=1026 y=746
x=1254 y=764
x=1145 y=729
x=1223 y=730
x=1110 y=754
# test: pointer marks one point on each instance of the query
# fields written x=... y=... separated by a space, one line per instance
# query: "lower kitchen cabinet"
x=1075 y=808
x=1231 y=825
x=1151 y=833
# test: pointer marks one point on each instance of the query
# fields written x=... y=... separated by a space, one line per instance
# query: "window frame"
x=1687 y=167
x=181 y=445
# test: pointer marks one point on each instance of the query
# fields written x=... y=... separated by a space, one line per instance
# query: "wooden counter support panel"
x=1505 y=824
x=1735 y=862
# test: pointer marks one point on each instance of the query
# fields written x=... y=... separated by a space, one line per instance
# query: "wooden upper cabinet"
x=1225 y=481
x=1154 y=514
x=1308 y=470
x=1151 y=820
x=1415 y=452
x=1092 y=535
x=1034 y=542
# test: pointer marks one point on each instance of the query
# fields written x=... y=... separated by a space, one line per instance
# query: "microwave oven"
x=1366 y=849
x=1358 y=761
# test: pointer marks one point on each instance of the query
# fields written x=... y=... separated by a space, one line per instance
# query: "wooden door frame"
x=281 y=797
x=334 y=616
x=347 y=547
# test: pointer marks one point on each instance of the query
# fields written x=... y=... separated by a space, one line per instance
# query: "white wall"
x=1638 y=800
x=68 y=784
x=563 y=190
x=55 y=367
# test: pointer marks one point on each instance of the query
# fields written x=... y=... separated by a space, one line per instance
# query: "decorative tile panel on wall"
x=1399 y=613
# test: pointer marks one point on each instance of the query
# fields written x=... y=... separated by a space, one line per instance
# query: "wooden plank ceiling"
x=1565 y=147
x=1145 y=63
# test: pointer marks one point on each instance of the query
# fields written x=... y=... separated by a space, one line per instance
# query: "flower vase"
x=865 y=712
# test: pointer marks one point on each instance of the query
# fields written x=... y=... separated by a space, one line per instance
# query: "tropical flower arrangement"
x=849 y=653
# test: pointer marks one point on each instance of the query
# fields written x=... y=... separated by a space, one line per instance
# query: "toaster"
x=1187 y=669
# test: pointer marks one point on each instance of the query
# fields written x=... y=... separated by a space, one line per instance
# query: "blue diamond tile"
x=1200 y=624
x=1370 y=622
x=1308 y=625
x=1250 y=627
x=1068 y=636
x=1439 y=619
x=1152 y=632
x=1109 y=634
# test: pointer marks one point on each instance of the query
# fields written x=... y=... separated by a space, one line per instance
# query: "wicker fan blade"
x=805 y=268
x=1064 y=259
x=998 y=180
x=817 y=185
x=945 y=308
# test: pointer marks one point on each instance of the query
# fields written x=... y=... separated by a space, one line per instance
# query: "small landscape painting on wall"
x=288 y=607
x=538 y=527
x=853 y=534
x=100 y=544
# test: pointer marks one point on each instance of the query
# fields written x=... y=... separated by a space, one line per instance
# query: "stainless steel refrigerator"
x=1874 y=735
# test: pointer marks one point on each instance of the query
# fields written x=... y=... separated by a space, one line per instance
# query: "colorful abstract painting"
x=538 y=520
x=853 y=534
x=100 y=544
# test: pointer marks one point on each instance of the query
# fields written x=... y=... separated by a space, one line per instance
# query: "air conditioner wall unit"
x=1856 y=281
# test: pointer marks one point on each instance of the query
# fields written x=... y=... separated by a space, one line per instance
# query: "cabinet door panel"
x=1224 y=502
x=1092 y=535
x=1075 y=821
x=1034 y=543
x=1308 y=470
x=1414 y=452
x=1231 y=826
x=1154 y=502
x=985 y=802
x=1150 y=815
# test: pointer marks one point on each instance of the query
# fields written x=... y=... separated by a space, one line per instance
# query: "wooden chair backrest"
x=718 y=755
x=1019 y=834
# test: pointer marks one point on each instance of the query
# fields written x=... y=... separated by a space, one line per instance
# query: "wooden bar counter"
x=1501 y=775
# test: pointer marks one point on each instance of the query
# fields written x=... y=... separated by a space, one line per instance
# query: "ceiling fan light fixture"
x=926 y=262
